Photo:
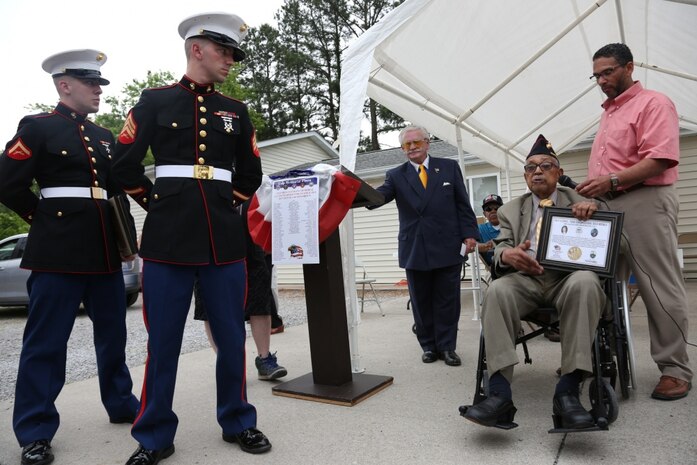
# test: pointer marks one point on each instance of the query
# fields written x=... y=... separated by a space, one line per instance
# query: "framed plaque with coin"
x=569 y=244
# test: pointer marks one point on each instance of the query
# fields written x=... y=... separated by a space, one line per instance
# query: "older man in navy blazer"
x=435 y=219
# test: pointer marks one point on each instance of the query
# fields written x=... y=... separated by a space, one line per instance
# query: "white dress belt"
x=79 y=192
x=193 y=171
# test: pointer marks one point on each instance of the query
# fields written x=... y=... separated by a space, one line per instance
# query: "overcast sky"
x=136 y=36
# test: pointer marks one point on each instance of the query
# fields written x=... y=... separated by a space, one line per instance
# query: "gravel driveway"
x=81 y=363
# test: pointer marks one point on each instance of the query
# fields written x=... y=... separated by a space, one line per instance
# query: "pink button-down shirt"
x=638 y=124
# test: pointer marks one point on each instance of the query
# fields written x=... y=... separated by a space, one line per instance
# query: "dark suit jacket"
x=433 y=222
x=515 y=217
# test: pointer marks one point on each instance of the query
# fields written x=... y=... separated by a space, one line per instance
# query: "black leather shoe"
x=429 y=356
x=37 y=453
x=568 y=408
x=250 y=440
x=143 y=456
x=491 y=411
x=124 y=419
x=451 y=358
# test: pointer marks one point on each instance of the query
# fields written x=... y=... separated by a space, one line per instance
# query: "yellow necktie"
x=423 y=175
x=543 y=203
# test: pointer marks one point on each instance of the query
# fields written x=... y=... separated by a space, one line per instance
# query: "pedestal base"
x=347 y=394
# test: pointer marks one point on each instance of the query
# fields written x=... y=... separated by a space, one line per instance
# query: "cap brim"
x=237 y=53
x=86 y=75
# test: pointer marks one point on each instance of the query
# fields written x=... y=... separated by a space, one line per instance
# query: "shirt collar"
x=624 y=97
x=425 y=163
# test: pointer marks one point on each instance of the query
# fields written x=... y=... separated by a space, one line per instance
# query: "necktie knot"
x=423 y=176
x=538 y=226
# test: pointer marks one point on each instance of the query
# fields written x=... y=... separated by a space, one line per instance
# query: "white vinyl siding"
x=282 y=157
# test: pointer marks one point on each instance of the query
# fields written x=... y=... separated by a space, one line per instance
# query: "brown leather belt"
x=613 y=195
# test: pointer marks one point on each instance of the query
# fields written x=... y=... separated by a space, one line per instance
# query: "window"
x=479 y=187
x=7 y=249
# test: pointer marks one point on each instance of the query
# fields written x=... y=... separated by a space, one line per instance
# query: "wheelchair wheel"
x=609 y=398
x=623 y=369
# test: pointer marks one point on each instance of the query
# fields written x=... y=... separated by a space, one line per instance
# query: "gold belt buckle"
x=203 y=172
x=97 y=193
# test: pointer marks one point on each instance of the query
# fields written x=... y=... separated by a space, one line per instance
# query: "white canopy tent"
x=488 y=75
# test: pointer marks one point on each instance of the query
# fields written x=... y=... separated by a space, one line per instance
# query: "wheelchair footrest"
x=601 y=425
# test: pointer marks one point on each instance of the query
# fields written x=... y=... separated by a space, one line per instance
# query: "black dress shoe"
x=250 y=440
x=451 y=358
x=37 y=453
x=124 y=419
x=143 y=456
x=429 y=356
x=492 y=410
x=568 y=408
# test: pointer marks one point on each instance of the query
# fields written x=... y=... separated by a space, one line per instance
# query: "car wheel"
x=131 y=298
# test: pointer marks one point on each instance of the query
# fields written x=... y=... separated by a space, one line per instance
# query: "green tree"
x=262 y=74
x=294 y=71
x=11 y=223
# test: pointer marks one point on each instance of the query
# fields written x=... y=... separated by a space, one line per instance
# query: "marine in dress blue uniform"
x=71 y=250
x=198 y=137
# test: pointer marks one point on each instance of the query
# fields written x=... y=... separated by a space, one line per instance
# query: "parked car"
x=13 y=279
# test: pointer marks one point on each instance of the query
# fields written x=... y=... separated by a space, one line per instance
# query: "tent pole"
x=691 y=77
x=509 y=194
x=352 y=314
x=476 y=282
x=597 y=4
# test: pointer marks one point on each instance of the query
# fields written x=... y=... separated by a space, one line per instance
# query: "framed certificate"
x=569 y=244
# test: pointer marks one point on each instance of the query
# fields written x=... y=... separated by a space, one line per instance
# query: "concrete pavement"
x=414 y=421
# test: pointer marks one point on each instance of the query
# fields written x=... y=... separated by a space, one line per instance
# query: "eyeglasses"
x=544 y=166
x=418 y=144
x=605 y=73
x=491 y=208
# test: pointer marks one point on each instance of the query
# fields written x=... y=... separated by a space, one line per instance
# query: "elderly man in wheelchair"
x=523 y=285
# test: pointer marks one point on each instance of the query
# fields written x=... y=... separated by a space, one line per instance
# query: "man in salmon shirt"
x=633 y=167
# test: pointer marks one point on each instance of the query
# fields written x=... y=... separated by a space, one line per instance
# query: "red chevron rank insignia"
x=255 y=147
x=128 y=133
x=19 y=151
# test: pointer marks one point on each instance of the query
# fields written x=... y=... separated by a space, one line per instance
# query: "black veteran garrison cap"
x=82 y=64
x=542 y=147
x=222 y=28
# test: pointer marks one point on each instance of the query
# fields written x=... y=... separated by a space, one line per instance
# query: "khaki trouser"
x=578 y=297
x=650 y=223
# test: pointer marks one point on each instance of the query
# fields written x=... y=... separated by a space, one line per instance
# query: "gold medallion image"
x=574 y=253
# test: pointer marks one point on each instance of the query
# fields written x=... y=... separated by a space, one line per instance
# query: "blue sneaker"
x=268 y=368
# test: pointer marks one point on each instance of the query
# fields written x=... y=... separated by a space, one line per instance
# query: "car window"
x=7 y=249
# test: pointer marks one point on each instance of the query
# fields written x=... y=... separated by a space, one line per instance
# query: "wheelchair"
x=612 y=354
